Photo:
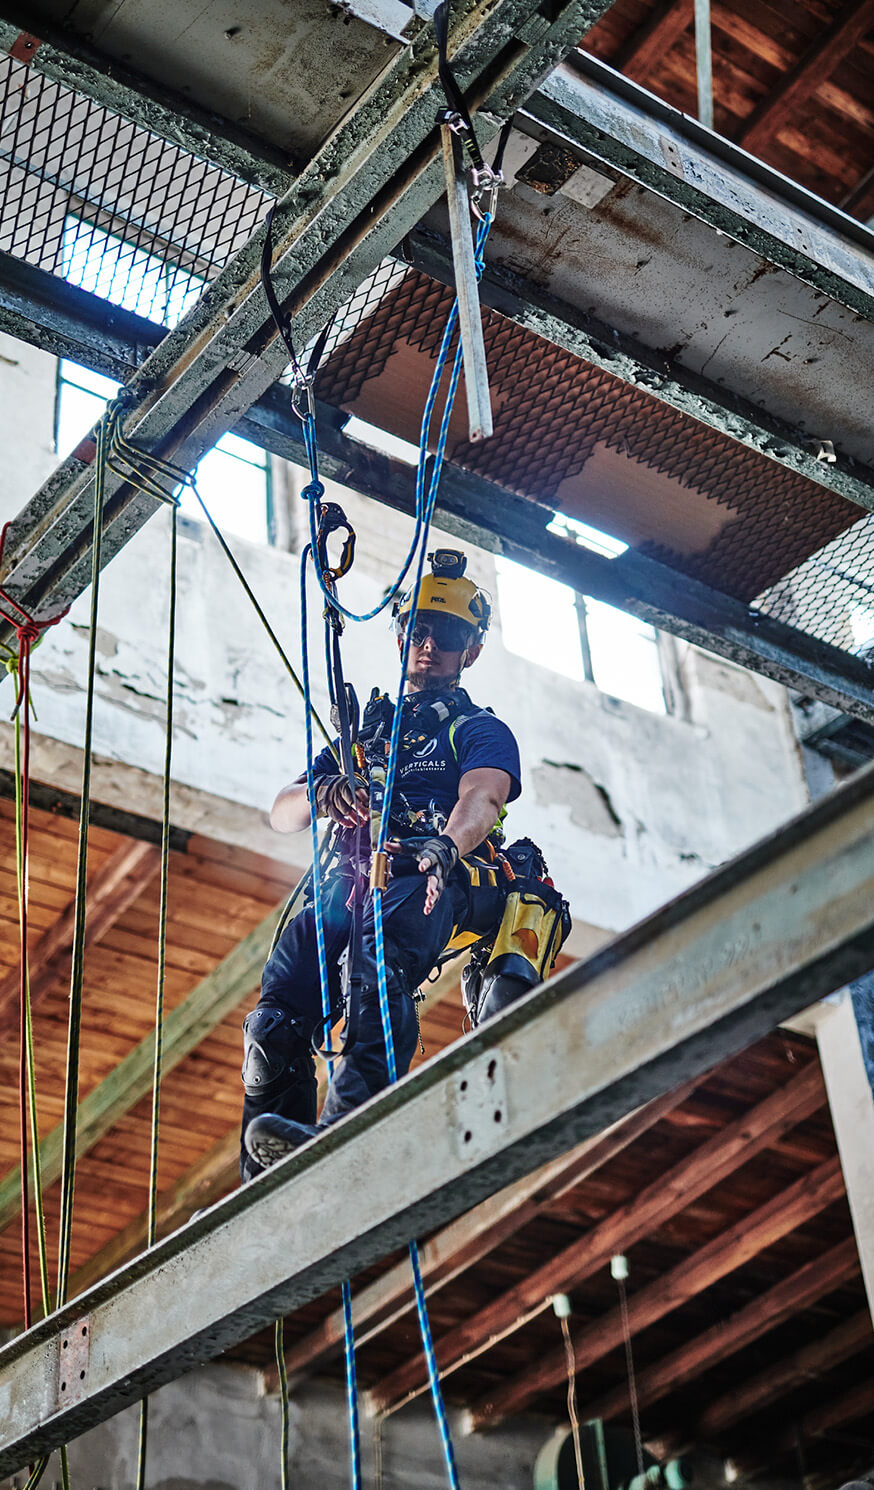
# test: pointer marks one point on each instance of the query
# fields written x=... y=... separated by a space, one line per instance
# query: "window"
x=548 y=623
x=126 y=275
x=233 y=478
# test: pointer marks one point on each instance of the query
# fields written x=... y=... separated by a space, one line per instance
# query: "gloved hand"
x=335 y=800
x=437 y=857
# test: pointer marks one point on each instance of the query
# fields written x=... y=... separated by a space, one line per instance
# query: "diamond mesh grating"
x=831 y=595
x=88 y=196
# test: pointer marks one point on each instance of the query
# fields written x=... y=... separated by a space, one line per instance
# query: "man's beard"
x=426 y=682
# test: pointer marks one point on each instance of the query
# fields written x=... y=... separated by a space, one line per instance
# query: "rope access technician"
x=452 y=885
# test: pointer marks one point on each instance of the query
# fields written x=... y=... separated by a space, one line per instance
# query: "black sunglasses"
x=448 y=633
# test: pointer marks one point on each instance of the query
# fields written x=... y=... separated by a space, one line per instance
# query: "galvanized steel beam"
x=66 y=59
x=754 y=943
x=366 y=187
x=68 y=321
x=586 y=105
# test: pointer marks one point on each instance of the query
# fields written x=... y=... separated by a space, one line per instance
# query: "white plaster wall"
x=629 y=806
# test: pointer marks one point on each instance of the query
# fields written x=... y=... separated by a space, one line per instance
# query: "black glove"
x=437 y=857
x=334 y=799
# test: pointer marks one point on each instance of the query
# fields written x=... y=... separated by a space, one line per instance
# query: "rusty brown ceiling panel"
x=574 y=437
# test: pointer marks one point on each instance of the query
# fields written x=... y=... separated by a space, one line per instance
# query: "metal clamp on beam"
x=476 y=378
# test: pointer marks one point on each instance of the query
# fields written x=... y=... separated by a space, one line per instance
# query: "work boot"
x=270 y=1137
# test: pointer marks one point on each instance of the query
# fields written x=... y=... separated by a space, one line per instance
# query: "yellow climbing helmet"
x=447 y=592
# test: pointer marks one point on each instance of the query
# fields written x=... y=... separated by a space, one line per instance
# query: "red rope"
x=27 y=630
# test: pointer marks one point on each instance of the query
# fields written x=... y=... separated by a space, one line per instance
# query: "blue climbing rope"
x=351 y=1387
x=426 y=499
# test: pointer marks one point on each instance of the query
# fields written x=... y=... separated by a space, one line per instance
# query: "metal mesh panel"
x=109 y=206
x=831 y=595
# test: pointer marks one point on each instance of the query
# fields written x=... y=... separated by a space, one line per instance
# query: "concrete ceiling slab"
x=287 y=72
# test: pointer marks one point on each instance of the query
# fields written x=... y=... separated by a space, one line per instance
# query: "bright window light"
x=539 y=619
x=625 y=659
x=232 y=478
x=586 y=536
x=380 y=439
x=126 y=275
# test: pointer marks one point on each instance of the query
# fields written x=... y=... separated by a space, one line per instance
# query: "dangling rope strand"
x=619 y=1269
x=561 y=1305
x=279 y=1349
x=162 y=952
x=28 y=632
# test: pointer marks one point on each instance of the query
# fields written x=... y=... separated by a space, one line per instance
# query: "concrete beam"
x=691 y=985
x=660 y=377
x=586 y=105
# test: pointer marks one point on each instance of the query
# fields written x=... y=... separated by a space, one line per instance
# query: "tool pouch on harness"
x=535 y=923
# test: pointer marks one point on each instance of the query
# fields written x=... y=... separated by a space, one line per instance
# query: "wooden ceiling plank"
x=791 y=1296
x=816 y=64
x=783 y=1213
x=462 y=1244
x=643 y=52
x=114 y=887
x=668 y=1194
x=812 y=1361
x=857 y=1403
x=185 y=1026
x=201 y=1185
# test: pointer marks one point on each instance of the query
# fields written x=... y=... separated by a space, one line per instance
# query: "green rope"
x=77 y=972
x=279 y=1346
x=162 y=956
x=28 y=1027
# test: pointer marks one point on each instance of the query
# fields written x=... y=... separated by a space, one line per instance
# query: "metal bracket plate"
x=74 y=1348
x=477 y=1101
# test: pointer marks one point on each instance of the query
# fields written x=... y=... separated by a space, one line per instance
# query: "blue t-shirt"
x=431 y=774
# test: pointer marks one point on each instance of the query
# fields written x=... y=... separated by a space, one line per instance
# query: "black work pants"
x=413 y=944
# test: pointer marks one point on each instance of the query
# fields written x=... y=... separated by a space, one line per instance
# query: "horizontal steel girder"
x=754 y=943
x=365 y=189
x=68 y=321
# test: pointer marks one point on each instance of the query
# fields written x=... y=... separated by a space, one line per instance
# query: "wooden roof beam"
x=112 y=889
x=184 y=1028
x=641 y=54
x=463 y=1243
x=807 y=1364
x=801 y=1290
x=753 y=1234
x=857 y=1403
x=200 y=1186
x=817 y=63
x=669 y=1193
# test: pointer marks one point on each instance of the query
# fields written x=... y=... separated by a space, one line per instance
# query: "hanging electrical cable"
x=619 y=1271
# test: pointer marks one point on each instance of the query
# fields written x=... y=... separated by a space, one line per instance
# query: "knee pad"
x=275 y=1053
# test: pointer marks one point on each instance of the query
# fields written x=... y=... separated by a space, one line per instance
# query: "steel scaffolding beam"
x=708 y=974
